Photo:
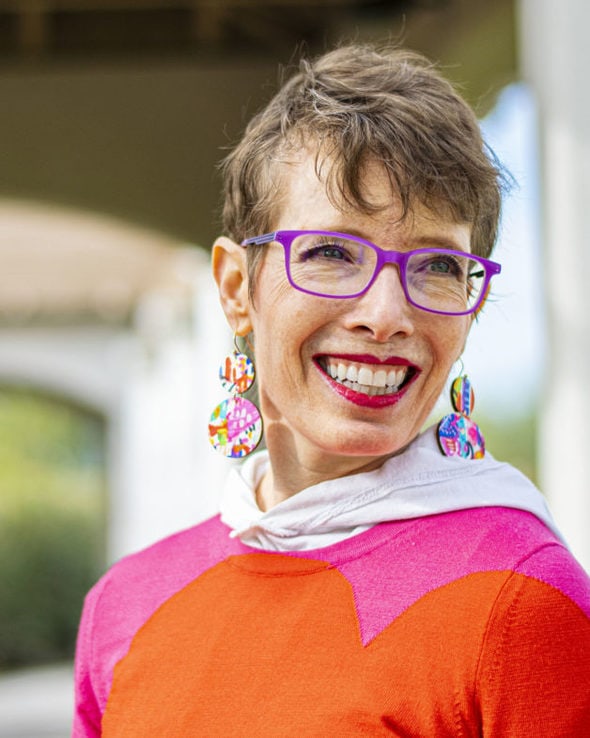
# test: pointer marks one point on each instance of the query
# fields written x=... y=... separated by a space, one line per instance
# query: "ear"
x=231 y=275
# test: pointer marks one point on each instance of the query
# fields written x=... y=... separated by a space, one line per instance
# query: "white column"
x=556 y=62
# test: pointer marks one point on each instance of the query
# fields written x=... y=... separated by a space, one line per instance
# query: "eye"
x=445 y=265
x=327 y=252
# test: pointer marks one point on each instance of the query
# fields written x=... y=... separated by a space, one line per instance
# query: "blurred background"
x=115 y=114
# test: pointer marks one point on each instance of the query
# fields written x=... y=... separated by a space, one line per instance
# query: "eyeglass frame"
x=384 y=256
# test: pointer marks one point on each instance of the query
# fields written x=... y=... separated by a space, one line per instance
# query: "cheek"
x=270 y=295
x=463 y=335
x=282 y=313
x=449 y=341
x=272 y=290
x=276 y=326
x=271 y=303
x=287 y=326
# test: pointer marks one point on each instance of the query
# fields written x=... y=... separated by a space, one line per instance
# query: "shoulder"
x=154 y=573
x=535 y=649
x=513 y=541
x=131 y=591
x=534 y=668
x=484 y=537
x=397 y=565
x=517 y=541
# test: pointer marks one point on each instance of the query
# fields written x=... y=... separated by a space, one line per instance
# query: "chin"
x=369 y=447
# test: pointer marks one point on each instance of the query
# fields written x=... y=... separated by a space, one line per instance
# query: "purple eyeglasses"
x=339 y=265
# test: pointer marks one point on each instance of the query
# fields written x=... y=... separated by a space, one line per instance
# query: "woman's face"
x=299 y=338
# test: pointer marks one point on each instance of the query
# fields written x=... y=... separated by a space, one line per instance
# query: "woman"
x=358 y=580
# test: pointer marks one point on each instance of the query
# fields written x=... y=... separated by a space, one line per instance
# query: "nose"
x=383 y=311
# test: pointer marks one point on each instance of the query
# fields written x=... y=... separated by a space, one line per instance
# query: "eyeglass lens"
x=339 y=267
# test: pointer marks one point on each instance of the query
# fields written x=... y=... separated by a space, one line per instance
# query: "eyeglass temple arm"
x=259 y=240
x=492 y=268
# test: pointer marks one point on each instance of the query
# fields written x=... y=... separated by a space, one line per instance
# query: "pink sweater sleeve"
x=87 y=715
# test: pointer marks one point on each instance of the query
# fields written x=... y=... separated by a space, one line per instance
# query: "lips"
x=367 y=380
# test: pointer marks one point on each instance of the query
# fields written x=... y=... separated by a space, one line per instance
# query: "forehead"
x=310 y=199
x=310 y=175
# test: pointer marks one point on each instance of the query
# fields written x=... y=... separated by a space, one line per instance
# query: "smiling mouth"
x=367 y=379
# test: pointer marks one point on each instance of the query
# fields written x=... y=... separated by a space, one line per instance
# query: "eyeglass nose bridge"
x=396 y=258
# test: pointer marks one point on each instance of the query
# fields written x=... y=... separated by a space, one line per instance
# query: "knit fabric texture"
x=467 y=623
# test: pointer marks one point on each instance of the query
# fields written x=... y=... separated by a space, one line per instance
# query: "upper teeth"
x=367 y=376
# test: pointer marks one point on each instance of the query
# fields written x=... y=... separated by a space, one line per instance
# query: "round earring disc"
x=235 y=427
x=236 y=374
x=458 y=435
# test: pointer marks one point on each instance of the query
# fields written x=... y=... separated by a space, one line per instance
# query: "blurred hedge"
x=47 y=563
x=51 y=523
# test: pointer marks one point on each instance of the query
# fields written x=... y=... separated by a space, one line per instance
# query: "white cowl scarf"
x=418 y=482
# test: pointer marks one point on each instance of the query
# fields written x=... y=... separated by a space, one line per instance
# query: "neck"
x=293 y=469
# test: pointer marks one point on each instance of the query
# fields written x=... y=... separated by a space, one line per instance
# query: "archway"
x=52 y=521
x=121 y=320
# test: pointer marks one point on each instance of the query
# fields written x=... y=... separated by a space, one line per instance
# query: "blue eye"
x=329 y=255
x=444 y=264
x=328 y=252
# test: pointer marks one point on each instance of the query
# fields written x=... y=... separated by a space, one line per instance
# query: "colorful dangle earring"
x=458 y=435
x=235 y=426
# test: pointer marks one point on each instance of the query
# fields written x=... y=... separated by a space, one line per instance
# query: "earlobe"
x=230 y=272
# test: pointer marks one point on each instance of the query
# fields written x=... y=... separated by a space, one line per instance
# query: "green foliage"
x=47 y=563
x=51 y=523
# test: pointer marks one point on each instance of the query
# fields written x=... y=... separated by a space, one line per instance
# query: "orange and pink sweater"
x=472 y=622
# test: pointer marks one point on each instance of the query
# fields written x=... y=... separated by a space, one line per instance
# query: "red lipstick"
x=360 y=398
x=368 y=359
